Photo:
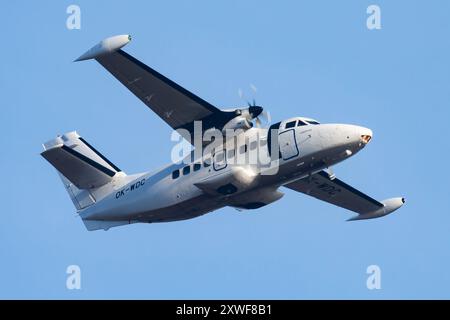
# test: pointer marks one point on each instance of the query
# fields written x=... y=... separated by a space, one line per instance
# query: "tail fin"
x=82 y=168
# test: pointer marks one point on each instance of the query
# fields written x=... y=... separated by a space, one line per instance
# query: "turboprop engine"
x=245 y=117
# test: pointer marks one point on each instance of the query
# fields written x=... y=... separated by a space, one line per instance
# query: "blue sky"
x=308 y=58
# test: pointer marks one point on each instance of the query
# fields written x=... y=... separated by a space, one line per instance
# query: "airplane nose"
x=365 y=135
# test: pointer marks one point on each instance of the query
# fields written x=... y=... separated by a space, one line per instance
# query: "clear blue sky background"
x=307 y=58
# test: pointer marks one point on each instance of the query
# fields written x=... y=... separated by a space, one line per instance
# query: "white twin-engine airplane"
x=301 y=152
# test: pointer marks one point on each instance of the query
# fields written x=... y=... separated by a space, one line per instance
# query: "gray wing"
x=178 y=107
x=332 y=190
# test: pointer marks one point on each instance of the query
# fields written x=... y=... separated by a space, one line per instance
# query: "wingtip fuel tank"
x=105 y=46
x=389 y=206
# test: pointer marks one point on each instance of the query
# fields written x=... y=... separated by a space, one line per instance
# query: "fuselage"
x=292 y=149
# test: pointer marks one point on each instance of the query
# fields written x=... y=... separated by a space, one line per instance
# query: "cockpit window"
x=312 y=122
x=300 y=123
x=290 y=124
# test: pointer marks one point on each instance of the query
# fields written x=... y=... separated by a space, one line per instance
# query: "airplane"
x=300 y=152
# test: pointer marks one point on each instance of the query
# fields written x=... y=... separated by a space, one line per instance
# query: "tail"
x=83 y=170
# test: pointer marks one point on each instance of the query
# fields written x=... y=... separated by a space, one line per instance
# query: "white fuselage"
x=163 y=196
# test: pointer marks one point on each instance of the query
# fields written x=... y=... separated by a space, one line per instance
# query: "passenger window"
x=230 y=153
x=197 y=166
x=301 y=123
x=207 y=162
x=243 y=149
x=186 y=170
x=253 y=145
x=290 y=125
x=262 y=142
x=175 y=174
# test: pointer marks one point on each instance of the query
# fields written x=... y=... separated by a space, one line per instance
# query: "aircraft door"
x=288 y=144
x=219 y=160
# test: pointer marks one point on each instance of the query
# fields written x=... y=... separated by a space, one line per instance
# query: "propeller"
x=263 y=120
x=257 y=113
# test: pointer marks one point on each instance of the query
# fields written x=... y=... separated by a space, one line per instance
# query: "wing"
x=332 y=190
x=178 y=107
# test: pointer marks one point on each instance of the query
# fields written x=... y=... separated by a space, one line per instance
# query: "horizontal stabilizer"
x=79 y=162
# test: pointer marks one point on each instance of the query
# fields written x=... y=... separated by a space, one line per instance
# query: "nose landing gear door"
x=288 y=144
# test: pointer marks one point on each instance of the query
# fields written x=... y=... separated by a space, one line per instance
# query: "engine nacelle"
x=239 y=122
